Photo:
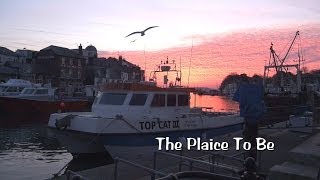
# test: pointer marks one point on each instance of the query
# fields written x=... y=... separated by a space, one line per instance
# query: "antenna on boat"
x=145 y=62
x=190 y=61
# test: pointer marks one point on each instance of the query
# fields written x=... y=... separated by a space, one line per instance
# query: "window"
x=183 y=100
x=25 y=91
x=171 y=100
x=3 y=88
x=20 y=89
x=138 y=99
x=63 y=61
x=31 y=91
x=113 y=98
x=62 y=72
x=12 y=89
x=42 y=91
x=158 y=100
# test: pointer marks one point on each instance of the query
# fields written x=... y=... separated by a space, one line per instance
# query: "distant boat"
x=37 y=103
x=14 y=87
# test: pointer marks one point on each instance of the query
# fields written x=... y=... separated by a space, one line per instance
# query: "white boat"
x=14 y=87
x=132 y=116
x=127 y=118
x=36 y=93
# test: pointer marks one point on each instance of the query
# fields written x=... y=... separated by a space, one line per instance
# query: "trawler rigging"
x=282 y=80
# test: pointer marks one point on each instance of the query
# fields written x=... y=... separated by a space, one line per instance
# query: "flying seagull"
x=142 y=32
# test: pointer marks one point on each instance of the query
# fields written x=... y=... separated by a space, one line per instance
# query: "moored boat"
x=126 y=119
x=131 y=116
x=14 y=87
x=35 y=104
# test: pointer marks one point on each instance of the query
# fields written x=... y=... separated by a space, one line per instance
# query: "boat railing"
x=193 y=163
x=207 y=170
x=152 y=172
x=195 y=170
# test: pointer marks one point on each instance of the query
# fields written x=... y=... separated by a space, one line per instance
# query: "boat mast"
x=280 y=67
x=167 y=67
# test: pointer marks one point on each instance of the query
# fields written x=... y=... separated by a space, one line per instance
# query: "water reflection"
x=218 y=103
x=27 y=153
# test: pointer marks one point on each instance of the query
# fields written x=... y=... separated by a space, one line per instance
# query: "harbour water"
x=26 y=152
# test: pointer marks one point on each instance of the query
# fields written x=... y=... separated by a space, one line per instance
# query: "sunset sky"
x=225 y=36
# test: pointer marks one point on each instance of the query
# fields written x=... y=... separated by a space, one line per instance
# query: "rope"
x=76 y=156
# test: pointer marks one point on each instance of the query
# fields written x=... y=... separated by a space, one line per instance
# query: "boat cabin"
x=37 y=91
x=14 y=87
x=141 y=100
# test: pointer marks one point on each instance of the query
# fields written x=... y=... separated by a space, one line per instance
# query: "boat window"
x=12 y=89
x=25 y=91
x=183 y=100
x=158 y=100
x=171 y=100
x=113 y=98
x=138 y=99
x=41 y=91
x=3 y=88
x=31 y=91
x=96 y=99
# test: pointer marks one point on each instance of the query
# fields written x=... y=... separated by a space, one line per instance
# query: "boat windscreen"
x=158 y=100
x=3 y=88
x=113 y=98
x=138 y=99
x=42 y=91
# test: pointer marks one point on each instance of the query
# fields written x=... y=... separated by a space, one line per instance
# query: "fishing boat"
x=284 y=92
x=126 y=119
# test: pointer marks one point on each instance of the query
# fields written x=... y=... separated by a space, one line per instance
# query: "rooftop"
x=6 y=52
x=62 y=51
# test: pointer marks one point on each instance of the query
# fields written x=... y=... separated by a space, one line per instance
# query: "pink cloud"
x=214 y=57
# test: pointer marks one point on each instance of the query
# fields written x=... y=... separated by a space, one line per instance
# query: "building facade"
x=6 y=55
x=61 y=67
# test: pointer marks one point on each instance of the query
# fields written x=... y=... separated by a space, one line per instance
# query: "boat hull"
x=137 y=146
x=77 y=143
x=133 y=145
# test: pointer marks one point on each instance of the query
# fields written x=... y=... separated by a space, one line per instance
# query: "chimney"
x=80 y=50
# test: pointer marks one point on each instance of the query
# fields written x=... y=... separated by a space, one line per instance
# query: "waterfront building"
x=61 y=67
x=6 y=55
x=26 y=56
x=99 y=70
